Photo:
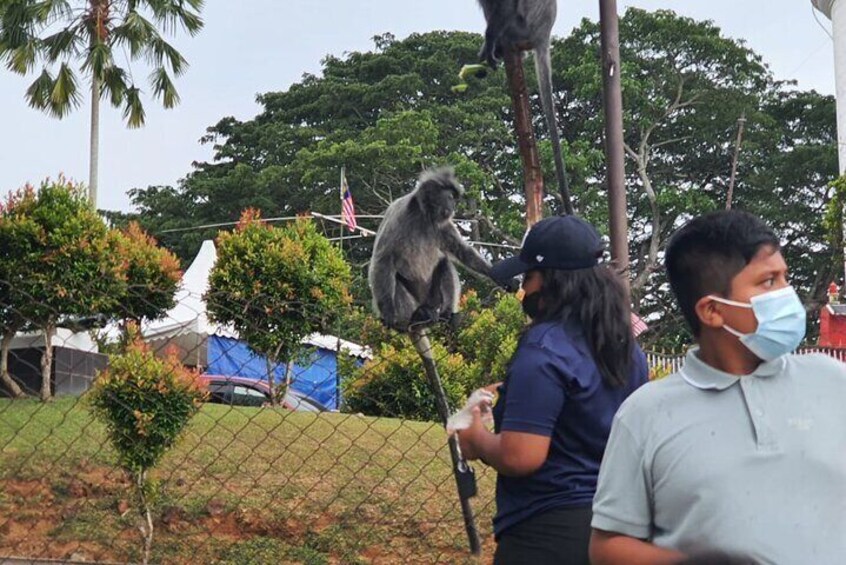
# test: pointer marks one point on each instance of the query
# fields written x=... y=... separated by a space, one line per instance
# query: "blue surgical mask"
x=781 y=323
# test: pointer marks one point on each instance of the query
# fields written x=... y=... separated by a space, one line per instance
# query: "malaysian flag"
x=638 y=325
x=347 y=207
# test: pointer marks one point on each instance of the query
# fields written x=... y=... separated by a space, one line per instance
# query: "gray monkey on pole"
x=524 y=25
x=412 y=277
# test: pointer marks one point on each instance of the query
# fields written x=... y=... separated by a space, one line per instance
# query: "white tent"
x=188 y=327
x=189 y=316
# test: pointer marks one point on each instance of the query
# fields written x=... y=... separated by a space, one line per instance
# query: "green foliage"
x=62 y=261
x=277 y=285
x=685 y=85
x=382 y=114
x=393 y=383
x=59 y=262
x=145 y=402
x=151 y=274
x=833 y=219
x=660 y=371
x=490 y=339
x=74 y=273
x=91 y=36
x=19 y=239
x=386 y=112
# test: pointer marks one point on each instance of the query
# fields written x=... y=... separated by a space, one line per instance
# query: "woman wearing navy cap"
x=575 y=364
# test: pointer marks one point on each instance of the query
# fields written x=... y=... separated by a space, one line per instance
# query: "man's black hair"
x=708 y=252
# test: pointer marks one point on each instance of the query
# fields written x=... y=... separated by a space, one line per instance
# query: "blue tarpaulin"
x=316 y=377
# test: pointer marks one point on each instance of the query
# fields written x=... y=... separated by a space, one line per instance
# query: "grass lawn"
x=244 y=485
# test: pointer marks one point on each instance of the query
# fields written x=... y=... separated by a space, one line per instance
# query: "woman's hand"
x=470 y=440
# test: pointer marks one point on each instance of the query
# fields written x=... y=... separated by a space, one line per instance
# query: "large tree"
x=388 y=112
x=685 y=86
x=383 y=114
x=66 y=37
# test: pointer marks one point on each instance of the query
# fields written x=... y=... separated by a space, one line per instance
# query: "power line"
x=277 y=219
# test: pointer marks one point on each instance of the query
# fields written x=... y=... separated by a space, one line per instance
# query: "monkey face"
x=439 y=203
x=447 y=205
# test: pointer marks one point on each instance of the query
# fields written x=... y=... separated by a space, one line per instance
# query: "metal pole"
x=424 y=349
x=614 y=148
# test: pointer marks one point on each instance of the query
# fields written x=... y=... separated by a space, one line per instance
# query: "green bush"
x=393 y=384
x=490 y=338
x=660 y=371
x=145 y=402
x=275 y=286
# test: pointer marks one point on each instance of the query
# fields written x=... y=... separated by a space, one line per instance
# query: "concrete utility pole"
x=835 y=10
x=614 y=147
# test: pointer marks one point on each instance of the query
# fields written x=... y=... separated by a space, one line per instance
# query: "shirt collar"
x=700 y=375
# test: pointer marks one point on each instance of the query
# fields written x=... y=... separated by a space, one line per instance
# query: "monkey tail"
x=543 y=67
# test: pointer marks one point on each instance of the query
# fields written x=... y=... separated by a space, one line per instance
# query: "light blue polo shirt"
x=756 y=465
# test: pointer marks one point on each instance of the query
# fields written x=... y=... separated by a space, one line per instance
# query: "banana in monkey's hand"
x=462 y=419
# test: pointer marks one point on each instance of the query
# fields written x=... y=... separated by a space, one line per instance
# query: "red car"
x=241 y=391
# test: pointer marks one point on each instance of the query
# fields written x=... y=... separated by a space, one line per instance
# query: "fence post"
x=424 y=349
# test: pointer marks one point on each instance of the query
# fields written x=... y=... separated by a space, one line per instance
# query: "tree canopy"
x=275 y=286
x=68 y=36
x=388 y=112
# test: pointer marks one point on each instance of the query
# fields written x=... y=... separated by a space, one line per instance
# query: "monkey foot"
x=453 y=320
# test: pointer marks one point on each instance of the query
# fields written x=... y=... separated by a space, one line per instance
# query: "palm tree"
x=64 y=37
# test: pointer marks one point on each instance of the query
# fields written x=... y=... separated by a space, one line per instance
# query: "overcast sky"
x=255 y=46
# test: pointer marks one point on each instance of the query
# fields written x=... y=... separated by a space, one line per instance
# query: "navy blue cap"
x=566 y=243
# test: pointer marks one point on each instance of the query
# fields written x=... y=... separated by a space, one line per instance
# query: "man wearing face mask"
x=744 y=449
x=574 y=365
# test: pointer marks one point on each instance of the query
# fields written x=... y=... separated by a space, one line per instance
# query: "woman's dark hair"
x=597 y=299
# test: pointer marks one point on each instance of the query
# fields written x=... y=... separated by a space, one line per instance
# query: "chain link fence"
x=288 y=470
x=266 y=471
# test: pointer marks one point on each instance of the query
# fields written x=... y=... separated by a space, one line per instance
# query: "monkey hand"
x=395 y=325
x=487 y=55
x=424 y=316
x=511 y=285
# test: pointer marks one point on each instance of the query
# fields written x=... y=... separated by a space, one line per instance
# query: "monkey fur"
x=523 y=25
x=411 y=275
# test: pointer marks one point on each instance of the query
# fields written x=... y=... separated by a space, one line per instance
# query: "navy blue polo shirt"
x=553 y=388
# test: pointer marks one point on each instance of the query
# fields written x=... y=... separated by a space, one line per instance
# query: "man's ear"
x=708 y=313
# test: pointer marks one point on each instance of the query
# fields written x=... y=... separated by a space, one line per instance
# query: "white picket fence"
x=664 y=363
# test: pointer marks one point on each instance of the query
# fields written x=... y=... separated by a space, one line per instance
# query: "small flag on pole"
x=347 y=207
x=638 y=325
